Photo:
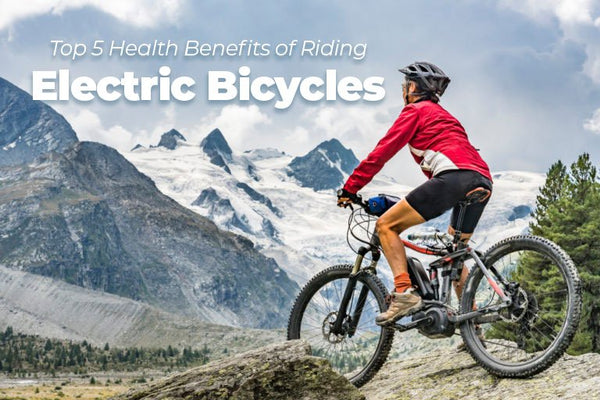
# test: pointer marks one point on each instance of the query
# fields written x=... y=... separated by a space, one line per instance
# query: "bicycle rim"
x=529 y=336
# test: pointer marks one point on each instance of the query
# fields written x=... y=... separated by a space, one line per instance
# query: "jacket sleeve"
x=395 y=139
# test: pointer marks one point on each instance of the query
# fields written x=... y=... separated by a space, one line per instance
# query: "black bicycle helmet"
x=431 y=78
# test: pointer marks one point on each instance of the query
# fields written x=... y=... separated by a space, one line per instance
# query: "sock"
x=402 y=282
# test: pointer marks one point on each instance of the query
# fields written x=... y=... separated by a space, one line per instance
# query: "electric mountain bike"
x=518 y=313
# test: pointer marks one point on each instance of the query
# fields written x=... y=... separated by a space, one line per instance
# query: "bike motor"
x=436 y=323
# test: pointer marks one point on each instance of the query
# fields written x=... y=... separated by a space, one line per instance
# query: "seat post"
x=462 y=207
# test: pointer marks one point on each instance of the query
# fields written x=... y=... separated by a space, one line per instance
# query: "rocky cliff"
x=170 y=139
x=29 y=128
x=217 y=148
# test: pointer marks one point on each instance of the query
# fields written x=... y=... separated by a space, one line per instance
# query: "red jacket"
x=436 y=139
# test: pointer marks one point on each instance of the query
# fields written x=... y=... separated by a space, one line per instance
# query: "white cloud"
x=241 y=126
x=593 y=124
x=89 y=127
x=578 y=20
x=566 y=11
x=140 y=13
x=353 y=128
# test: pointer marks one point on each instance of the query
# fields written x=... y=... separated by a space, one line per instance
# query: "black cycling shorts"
x=444 y=191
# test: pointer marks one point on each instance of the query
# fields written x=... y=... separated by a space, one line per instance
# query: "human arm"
x=403 y=129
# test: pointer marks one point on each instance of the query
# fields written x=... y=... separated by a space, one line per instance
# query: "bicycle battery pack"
x=380 y=204
x=419 y=278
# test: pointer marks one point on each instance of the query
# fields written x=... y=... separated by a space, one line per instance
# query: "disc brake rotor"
x=326 y=329
x=517 y=311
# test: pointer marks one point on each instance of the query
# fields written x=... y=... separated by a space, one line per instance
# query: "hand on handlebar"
x=345 y=198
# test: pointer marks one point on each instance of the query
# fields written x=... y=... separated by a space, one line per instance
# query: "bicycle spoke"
x=537 y=278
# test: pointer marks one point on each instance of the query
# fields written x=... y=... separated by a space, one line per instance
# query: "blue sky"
x=525 y=74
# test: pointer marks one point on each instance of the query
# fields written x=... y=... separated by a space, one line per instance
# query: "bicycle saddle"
x=477 y=195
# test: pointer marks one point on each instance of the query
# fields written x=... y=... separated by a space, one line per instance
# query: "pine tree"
x=554 y=189
x=8 y=333
x=568 y=213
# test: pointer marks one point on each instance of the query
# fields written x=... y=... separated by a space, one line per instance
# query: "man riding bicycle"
x=439 y=143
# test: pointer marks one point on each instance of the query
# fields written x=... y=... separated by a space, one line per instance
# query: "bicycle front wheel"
x=535 y=330
x=361 y=347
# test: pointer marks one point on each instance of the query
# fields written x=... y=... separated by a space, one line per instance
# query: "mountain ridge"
x=324 y=167
x=169 y=139
x=29 y=128
x=217 y=148
x=87 y=216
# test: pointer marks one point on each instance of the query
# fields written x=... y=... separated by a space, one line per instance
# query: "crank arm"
x=412 y=324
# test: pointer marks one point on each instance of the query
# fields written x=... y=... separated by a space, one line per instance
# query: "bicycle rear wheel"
x=356 y=355
x=531 y=334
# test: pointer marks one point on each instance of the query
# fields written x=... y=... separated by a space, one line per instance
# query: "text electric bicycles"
x=518 y=313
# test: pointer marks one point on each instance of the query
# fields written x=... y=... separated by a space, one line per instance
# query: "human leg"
x=425 y=202
x=467 y=226
x=389 y=226
x=471 y=218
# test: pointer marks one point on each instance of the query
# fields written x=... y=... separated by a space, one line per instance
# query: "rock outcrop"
x=451 y=375
x=280 y=371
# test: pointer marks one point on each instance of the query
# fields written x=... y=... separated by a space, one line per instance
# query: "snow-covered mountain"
x=286 y=204
x=324 y=167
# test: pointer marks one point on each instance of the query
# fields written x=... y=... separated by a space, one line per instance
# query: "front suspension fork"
x=338 y=327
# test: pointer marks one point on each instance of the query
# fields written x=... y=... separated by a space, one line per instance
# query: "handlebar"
x=363 y=204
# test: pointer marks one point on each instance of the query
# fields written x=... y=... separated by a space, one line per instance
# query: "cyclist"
x=439 y=143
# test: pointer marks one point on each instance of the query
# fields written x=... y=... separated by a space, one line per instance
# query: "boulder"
x=280 y=371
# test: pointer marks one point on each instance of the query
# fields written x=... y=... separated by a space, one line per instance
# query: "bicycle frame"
x=448 y=265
